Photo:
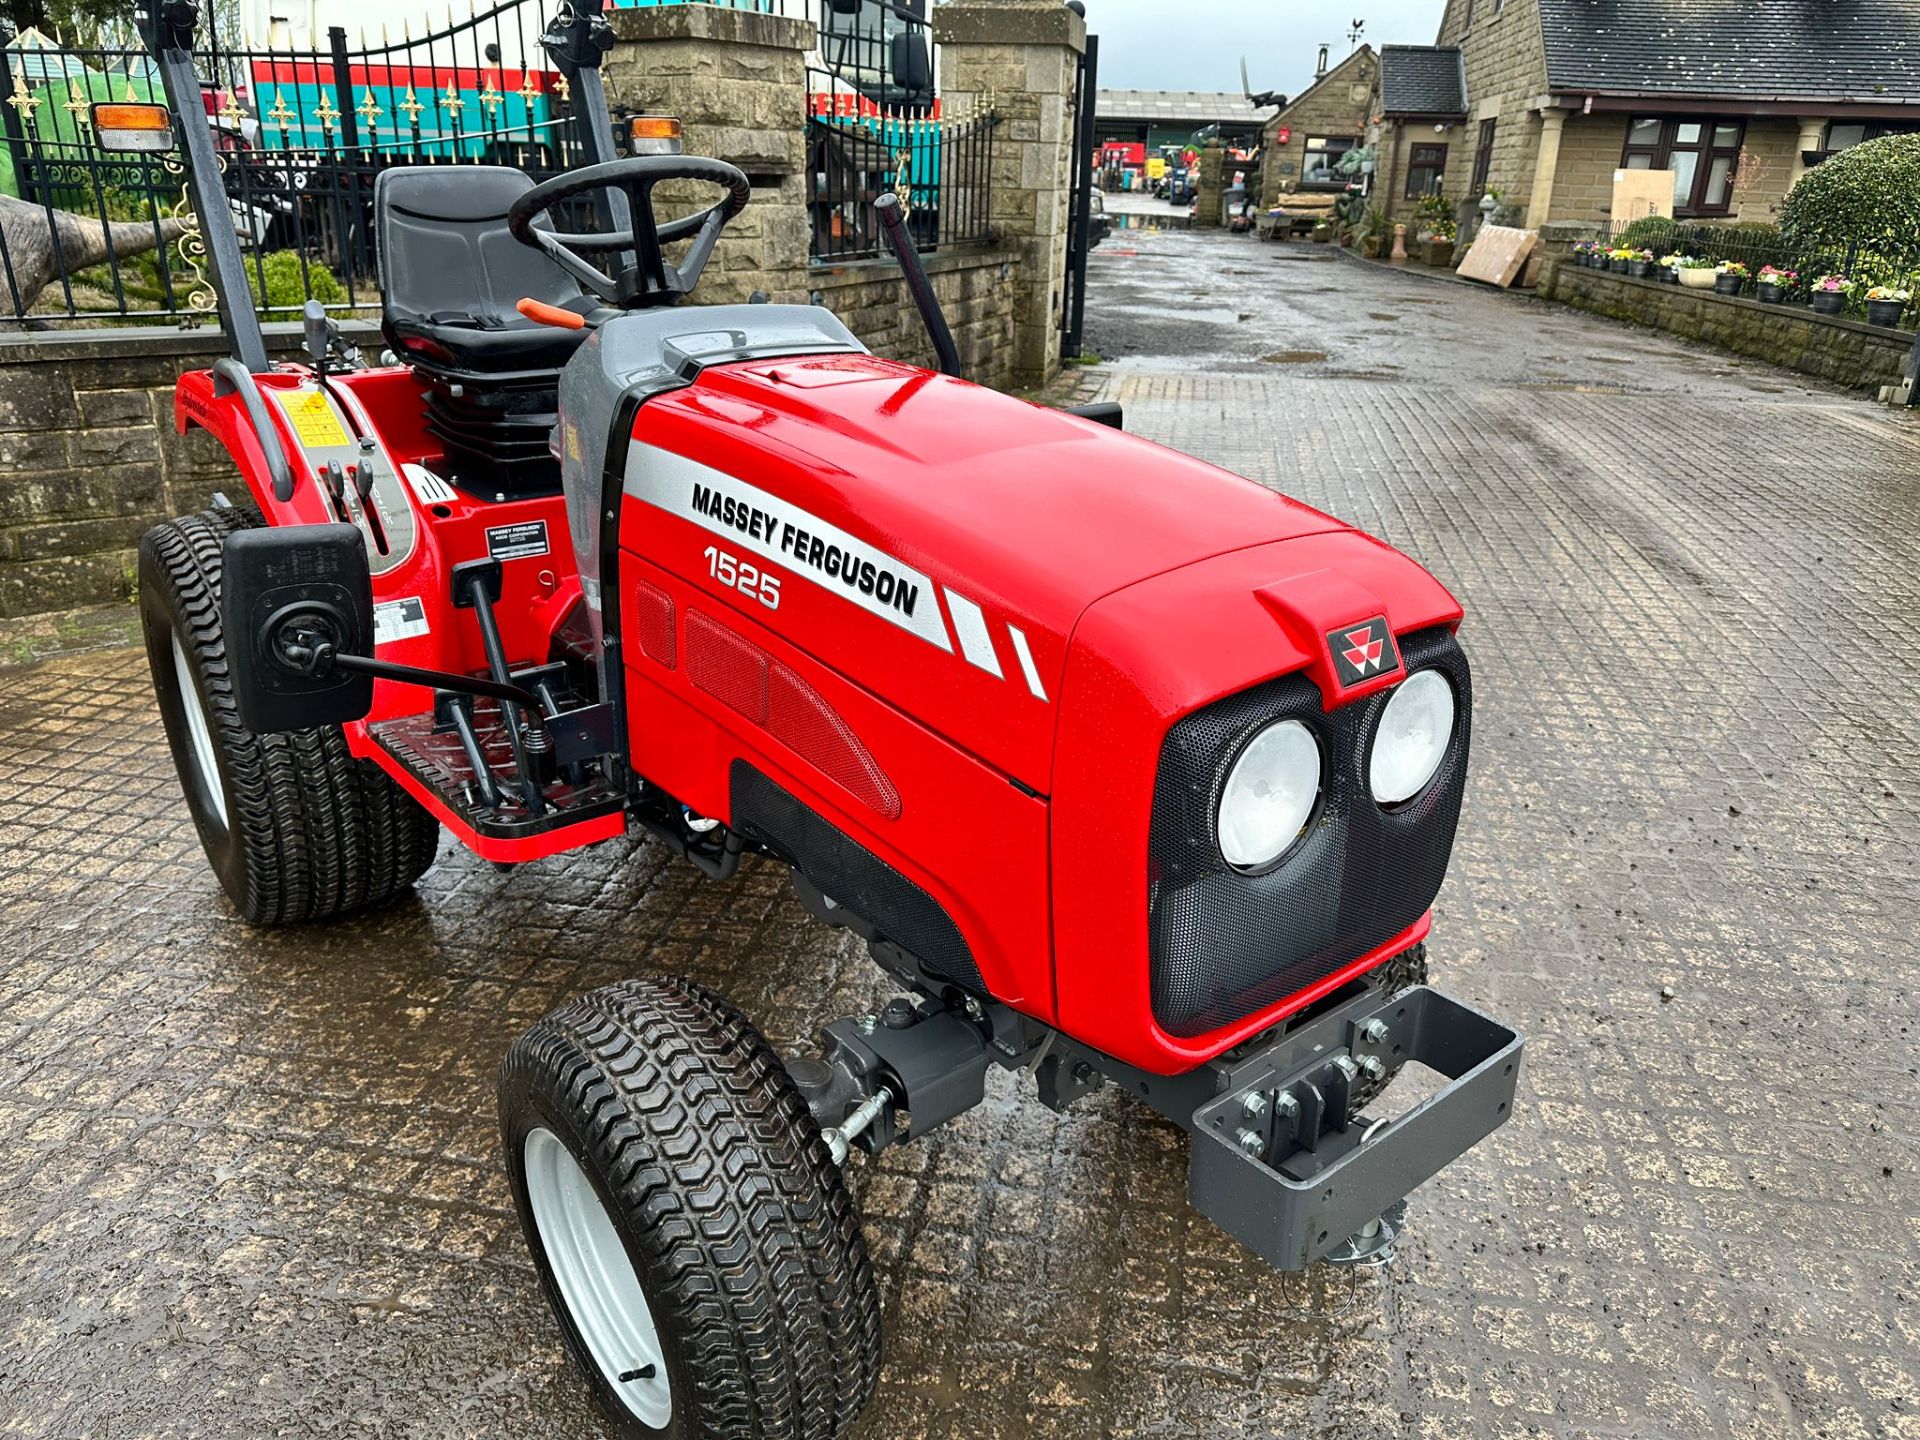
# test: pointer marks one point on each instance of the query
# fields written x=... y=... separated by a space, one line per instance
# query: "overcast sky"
x=1197 y=44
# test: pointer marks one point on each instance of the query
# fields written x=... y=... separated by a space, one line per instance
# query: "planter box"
x=1698 y=279
x=1437 y=252
x=1885 y=312
x=1370 y=246
x=1828 y=302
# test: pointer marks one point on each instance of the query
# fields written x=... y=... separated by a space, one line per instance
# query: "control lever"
x=336 y=482
x=363 y=478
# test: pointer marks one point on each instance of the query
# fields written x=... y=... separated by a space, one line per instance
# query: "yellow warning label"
x=313 y=419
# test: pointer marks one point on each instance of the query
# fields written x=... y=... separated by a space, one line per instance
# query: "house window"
x=1324 y=153
x=1701 y=153
x=1482 y=161
x=1845 y=134
x=1426 y=171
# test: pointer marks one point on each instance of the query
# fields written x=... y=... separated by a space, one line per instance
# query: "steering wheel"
x=652 y=279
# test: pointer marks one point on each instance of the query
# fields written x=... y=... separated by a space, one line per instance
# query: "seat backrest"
x=445 y=250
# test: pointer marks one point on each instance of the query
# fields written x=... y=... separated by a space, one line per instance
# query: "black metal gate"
x=1080 y=199
x=301 y=130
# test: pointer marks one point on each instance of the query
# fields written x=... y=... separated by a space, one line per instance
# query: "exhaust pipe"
x=887 y=207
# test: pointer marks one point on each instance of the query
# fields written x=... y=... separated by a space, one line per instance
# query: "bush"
x=288 y=286
x=1649 y=232
x=1868 y=195
x=1753 y=242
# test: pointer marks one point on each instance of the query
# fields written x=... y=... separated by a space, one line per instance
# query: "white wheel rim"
x=199 y=734
x=596 y=1278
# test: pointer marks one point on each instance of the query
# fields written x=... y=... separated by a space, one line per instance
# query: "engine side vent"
x=653 y=623
x=774 y=696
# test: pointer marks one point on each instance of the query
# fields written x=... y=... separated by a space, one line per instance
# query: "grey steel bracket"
x=1278 y=1160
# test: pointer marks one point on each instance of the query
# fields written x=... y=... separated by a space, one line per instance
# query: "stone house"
x=1556 y=95
x=1322 y=123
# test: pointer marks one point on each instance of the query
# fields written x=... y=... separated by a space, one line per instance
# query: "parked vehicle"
x=1124 y=768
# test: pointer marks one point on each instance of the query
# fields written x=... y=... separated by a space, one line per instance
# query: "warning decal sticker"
x=314 y=422
x=399 y=620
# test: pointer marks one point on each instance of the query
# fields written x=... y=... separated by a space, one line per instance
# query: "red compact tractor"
x=1126 y=769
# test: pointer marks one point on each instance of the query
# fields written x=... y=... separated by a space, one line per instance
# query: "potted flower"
x=1776 y=284
x=1730 y=277
x=1639 y=263
x=1697 y=273
x=1670 y=267
x=1583 y=251
x=1618 y=258
x=1886 y=303
x=1829 y=294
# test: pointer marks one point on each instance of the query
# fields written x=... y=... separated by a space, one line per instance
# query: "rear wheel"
x=1402 y=972
x=694 y=1238
x=295 y=827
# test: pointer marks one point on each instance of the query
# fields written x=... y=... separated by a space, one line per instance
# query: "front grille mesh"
x=1223 y=944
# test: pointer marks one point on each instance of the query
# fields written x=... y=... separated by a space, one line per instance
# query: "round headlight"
x=1412 y=736
x=1269 y=794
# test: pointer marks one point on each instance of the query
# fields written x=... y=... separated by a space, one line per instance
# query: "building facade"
x=1735 y=100
x=1304 y=142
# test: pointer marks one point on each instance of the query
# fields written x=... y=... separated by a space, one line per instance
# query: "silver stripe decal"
x=971 y=626
x=1025 y=657
x=749 y=518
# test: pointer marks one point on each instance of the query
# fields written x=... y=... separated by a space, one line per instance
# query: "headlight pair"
x=1269 y=794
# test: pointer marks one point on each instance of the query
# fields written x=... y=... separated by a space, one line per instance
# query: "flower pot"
x=1619 y=267
x=1698 y=279
x=1771 y=294
x=1671 y=275
x=1639 y=269
x=1885 y=312
x=1437 y=252
x=1727 y=284
x=1829 y=302
x=1370 y=246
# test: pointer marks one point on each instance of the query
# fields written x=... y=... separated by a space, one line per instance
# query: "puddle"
x=1380 y=315
x=1572 y=387
x=1294 y=357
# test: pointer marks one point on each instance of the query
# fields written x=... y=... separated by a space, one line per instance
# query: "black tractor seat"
x=450 y=276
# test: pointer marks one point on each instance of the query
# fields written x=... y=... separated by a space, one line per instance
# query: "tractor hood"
x=937 y=542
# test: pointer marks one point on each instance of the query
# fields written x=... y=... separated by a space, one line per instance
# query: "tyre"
x=1402 y=972
x=295 y=827
x=694 y=1238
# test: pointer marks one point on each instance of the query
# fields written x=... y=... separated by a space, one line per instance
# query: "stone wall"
x=1336 y=104
x=737 y=82
x=1845 y=351
x=872 y=300
x=89 y=458
x=1506 y=71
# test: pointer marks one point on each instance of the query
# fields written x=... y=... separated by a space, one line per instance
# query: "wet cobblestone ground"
x=248 y=1182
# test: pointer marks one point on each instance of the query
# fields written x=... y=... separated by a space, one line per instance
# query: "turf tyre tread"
x=312 y=832
x=738 y=1221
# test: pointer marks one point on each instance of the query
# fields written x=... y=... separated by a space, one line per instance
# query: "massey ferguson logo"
x=1360 y=652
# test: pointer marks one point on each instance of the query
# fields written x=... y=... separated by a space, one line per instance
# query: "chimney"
x=1320 y=65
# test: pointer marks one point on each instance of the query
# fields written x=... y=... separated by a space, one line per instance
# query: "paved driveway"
x=248 y=1182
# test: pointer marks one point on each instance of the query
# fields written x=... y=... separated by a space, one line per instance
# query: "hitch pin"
x=840 y=1139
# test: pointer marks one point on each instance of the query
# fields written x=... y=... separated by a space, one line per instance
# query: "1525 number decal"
x=744 y=576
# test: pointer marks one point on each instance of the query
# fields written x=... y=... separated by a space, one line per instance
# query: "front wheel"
x=693 y=1236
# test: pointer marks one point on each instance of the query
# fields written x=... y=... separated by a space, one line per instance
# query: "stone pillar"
x=738 y=82
x=1211 y=188
x=1018 y=58
x=1553 y=124
x=1813 y=136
